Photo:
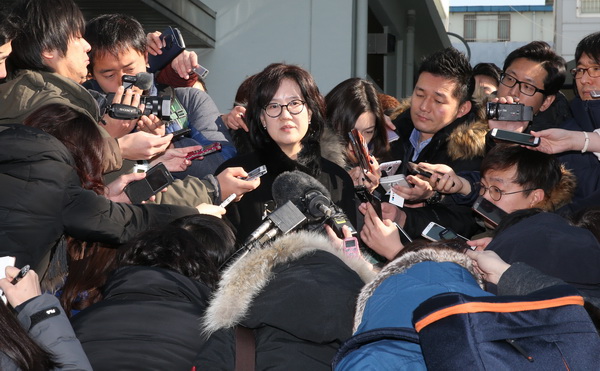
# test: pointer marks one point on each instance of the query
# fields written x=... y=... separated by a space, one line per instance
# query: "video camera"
x=155 y=105
x=509 y=112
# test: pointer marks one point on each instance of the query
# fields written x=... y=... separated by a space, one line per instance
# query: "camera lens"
x=492 y=110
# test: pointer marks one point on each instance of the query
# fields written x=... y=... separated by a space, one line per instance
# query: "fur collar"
x=467 y=141
x=249 y=274
x=403 y=263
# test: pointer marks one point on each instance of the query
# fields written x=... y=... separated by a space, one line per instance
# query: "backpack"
x=545 y=330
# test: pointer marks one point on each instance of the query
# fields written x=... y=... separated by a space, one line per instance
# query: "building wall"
x=317 y=35
x=571 y=27
x=527 y=23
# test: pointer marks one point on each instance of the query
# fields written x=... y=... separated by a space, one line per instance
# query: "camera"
x=158 y=106
x=509 y=112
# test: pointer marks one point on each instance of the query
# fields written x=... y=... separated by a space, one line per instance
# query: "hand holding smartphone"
x=174 y=45
x=157 y=178
x=360 y=151
x=256 y=173
x=364 y=195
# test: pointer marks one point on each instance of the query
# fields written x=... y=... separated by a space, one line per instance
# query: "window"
x=503 y=27
x=589 y=6
x=470 y=33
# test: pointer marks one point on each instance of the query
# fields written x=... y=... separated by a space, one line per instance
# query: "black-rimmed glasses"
x=524 y=87
x=294 y=107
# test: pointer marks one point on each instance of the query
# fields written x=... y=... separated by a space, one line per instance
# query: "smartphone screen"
x=515 y=137
x=490 y=212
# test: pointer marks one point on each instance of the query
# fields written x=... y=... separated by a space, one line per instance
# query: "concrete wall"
x=317 y=35
x=571 y=27
x=524 y=28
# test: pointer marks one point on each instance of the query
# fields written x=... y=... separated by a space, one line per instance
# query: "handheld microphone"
x=142 y=80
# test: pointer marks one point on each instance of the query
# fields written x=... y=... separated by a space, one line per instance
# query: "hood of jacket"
x=245 y=278
x=30 y=90
x=404 y=283
x=152 y=283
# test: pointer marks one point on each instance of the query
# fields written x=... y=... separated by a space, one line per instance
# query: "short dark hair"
x=350 y=99
x=265 y=85
x=453 y=65
x=541 y=52
x=114 y=34
x=535 y=170
x=8 y=26
x=173 y=248
x=48 y=25
x=214 y=235
x=488 y=69
x=589 y=45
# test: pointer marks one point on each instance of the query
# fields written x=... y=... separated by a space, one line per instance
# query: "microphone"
x=142 y=80
x=307 y=193
x=281 y=221
x=312 y=198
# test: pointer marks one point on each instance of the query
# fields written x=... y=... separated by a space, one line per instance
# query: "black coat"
x=42 y=198
x=148 y=320
x=549 y=243
x=247 y=214
x=298 y=295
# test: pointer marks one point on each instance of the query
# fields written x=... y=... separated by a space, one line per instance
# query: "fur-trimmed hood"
x=248 y=275
x=405 y=262
x=467 y=141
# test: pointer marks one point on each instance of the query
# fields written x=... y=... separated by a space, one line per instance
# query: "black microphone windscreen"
x=144 y=80
x=293 y=186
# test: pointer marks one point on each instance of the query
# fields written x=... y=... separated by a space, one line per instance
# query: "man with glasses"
x=532 y=75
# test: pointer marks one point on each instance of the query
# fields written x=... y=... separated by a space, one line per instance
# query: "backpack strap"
x=245 y=349
x=178 y=113
x=371 y=336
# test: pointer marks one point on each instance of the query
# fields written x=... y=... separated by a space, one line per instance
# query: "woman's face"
x=287 y=130
x=366 y=125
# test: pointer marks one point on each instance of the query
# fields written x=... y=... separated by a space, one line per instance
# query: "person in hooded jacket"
x=148 y=318
x=419 y=272
x=296 y=295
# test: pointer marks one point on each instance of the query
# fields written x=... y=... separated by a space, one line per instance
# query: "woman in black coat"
x=285 y=115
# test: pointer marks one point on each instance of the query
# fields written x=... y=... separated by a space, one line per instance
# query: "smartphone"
x=390 y=167
x=360 y=150
x=256 y=173
x=157 y=178
x=179 y=133
x=387 y=182
x=364 y=195
x=351 y=247
x=490 y=212
x=228 y=200
x=201 y=71
x=414 y=169
x=215 y=147
x=514 y=137
x=436 y=232
x=174 y=45
x=595 y=93
x=404 y=237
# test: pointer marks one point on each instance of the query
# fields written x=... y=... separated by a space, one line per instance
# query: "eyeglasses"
x=592 y=72
x=495 y=192
x=274 y=110
x=525 y=88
